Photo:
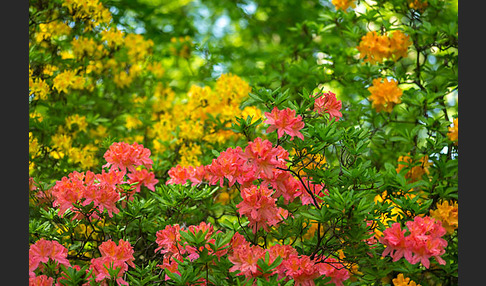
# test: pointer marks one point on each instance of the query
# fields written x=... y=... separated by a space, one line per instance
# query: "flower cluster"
x=260 y=208
x=418 y=5
x=327 y=103
x=402 y=281
x=125 y=156
x=203 y=114
x=385 y=94
x=375 y=48
x=259 y=163
x=416 y=168
x=284 y=121
x=174 y=248
x=301 y=268
x=103 y=190
x=448 y=213
x=44 y=251
x=424 y=240
x=113 y=257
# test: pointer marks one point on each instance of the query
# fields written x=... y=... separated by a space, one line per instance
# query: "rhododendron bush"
x=308 y=143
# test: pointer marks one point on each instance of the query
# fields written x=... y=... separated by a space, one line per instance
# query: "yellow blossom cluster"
x=112 y=36
x=375 y=48
x=402 y=281
x=88 y=9
x=38 y=88
x=184 y=120
x=87 y=47
x=343 y=4
x=385 y=94
x=453 y=133
x=68 y=79
x=53 y=29
x=448 y=213
x=63 y=143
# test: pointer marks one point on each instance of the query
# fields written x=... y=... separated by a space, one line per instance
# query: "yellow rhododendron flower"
x=53 y=29
x=83 y=46
x=62 y=142
x=189 y=154
x=137 y=47
x=385 y=94
x=448 y=213
x=232 y=88
x=64 y=80
x=77 y=119
x=39 y=88
x=132 y=121
x=34 y=146
x=112 y=36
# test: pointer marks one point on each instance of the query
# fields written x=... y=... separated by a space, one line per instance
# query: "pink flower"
x=112 y=257
x=121 y=252
x=125 y=156
x=171 y=265
x=99 y=267
x=260 y=208
x=424 y=241
x=245 y=258
x=41 y=280
x=44 y=250
x=79 y=188
x=103 y=196
x=302 y=269
x=327 y=103
x=229 y=165
x=69 y=190
x=394 y=239
x=284 y=121
x=284 y=251
x=284 y=185
x=263 y=158
x=330 y=267
x=168 y=240
x=180 y=174
x=143 y=177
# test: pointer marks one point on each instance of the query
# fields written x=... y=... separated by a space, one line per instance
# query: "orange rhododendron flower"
x=416 y=171
x=385 y=94
x=375 y=48
x=343 y=4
